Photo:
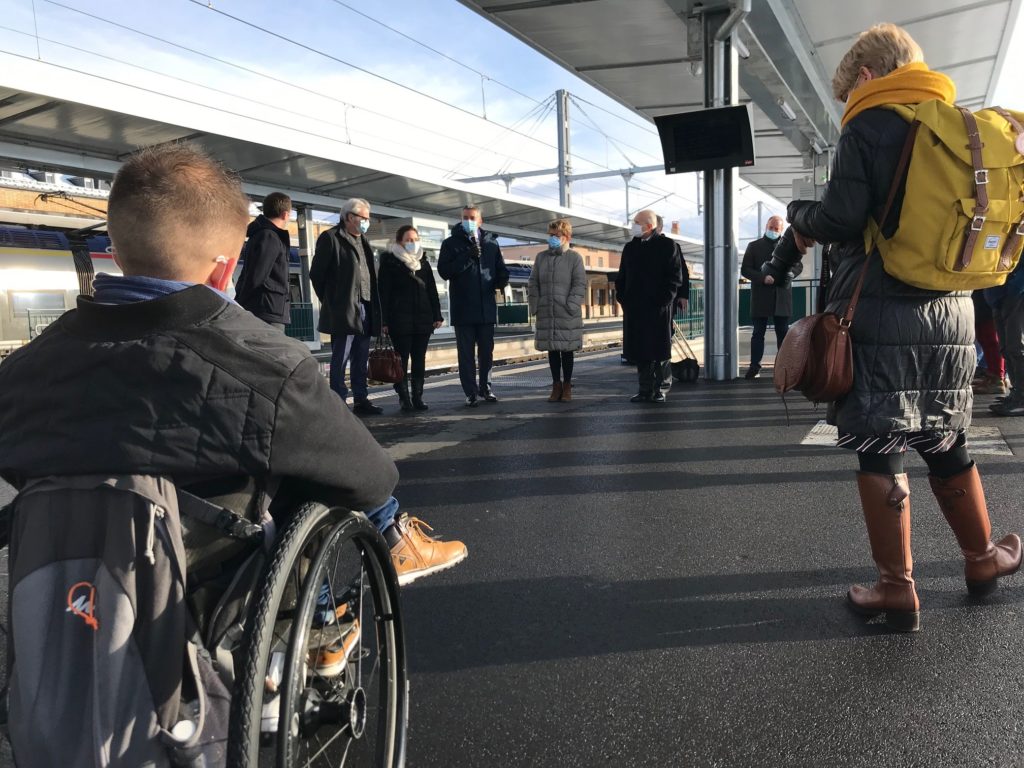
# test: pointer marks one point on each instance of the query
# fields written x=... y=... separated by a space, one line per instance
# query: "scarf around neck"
x=912 y=83
x=410 y=260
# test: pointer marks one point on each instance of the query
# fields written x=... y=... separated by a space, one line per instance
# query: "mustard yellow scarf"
x=912 y=83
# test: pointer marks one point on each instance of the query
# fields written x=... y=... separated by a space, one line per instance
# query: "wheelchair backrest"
x=104 y=664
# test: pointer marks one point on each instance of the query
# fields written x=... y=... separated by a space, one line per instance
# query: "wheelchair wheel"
x=323 y=678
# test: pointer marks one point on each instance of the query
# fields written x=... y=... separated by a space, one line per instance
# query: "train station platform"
x=663 y=586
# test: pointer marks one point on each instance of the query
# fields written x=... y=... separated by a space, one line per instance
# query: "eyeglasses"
x=358 y=216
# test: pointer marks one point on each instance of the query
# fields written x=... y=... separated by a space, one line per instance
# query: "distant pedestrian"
x=650 y=274
x=768 y=299
x=263 y=284
x=345 y=281
x=558 y=285
x=991 y=380
x=471 y=262
x=410 y=310
x=1008 y=308
x=913 y=349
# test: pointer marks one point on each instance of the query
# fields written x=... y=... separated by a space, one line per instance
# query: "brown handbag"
x=816 y=357
x=384 y=364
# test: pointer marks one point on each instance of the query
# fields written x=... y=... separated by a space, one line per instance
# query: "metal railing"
x=38 y=319
x=301 y=325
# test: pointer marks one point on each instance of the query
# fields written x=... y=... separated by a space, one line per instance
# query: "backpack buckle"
x=981 y=177
x=977 y=223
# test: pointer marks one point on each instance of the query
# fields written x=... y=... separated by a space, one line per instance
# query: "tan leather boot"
x=567 y=392
x=886 y=503
x=556 y=392
x=962 y=501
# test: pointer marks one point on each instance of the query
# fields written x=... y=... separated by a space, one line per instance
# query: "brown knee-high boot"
x=886 y=503
x=962 y=501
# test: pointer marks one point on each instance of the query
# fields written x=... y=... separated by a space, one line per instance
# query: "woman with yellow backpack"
x=913 y=344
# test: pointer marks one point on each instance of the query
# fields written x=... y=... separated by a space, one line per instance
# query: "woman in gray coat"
x=558 y=284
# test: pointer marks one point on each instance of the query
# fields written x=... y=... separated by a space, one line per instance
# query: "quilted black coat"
x=913 y=348
x=187 y=386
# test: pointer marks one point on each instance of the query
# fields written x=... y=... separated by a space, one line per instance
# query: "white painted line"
x=988 y=441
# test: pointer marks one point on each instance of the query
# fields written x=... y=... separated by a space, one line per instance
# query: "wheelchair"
x=325 y=585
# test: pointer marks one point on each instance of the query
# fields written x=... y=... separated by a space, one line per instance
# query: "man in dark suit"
x=471 y=262
x=345 y=280
x=649 y=278
x=768 y=298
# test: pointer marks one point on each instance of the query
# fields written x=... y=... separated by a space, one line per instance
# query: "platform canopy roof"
x=637 y=52
x=73 y=122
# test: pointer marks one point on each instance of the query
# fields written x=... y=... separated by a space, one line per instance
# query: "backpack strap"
x=1013 y=241
x=974 y=144
x=224 y=520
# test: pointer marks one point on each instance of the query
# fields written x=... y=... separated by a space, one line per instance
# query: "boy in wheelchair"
x=159 y=374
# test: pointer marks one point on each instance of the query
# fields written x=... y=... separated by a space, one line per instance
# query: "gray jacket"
x=557 y=286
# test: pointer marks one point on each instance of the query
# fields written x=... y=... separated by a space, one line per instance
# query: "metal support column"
x=304 y=221
x=721 y=308
x=564 y=163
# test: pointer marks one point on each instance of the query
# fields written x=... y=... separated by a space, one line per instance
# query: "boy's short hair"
x=276 y=204
x=171 y=205
x=882 y=49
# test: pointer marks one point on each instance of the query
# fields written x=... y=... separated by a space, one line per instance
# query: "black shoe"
x=640 y=397
x=753 y=372
x=488 y=395
x=471 y=401
x=366 y=408
x=658 y=397
x=1013 y=405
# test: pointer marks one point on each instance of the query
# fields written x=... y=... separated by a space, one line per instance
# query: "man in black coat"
x=768 y=298
x=649 y=278
x=345 y=280
x=263 y=284
x=471 y=262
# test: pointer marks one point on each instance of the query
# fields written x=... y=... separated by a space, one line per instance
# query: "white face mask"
x=637 y=230
x=412 y=247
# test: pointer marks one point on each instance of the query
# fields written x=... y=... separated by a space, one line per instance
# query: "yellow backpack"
x=962 y=222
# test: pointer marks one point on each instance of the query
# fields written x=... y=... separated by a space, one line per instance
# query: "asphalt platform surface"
x=663 y=586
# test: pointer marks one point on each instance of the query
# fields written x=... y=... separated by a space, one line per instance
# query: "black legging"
x=941 y=465
x=412 y=345
x=561 y=366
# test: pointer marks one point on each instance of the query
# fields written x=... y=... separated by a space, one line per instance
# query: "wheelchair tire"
x=319 y=712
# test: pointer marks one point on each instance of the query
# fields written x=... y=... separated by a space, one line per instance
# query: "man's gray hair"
x=351 y=205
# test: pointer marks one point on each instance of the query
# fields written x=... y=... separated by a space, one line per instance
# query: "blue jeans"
x=757 y=337
x=355 y=352
x=384 y=515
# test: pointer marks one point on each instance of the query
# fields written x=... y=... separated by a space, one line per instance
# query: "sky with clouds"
x=443 y=90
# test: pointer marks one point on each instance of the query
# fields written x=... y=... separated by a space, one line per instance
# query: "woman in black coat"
x=410 y=310
x=913 y=349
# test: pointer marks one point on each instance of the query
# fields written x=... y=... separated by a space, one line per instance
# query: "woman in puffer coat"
x=557 y=286
x=913 y=349
x=410 y=310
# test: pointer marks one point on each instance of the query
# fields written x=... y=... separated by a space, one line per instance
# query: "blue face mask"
x=469 y=225
x=364 y=226
x=771 y=234
x=554 y=243
x=413 y=247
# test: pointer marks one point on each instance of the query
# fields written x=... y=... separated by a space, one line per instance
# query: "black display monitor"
x=706 y=140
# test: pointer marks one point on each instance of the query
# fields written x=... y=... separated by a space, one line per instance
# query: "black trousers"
x=412 y=345
x=471 y=340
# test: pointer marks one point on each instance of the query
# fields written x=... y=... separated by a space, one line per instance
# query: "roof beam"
x=29 y=112
x=921 y=19
x=1012 y=24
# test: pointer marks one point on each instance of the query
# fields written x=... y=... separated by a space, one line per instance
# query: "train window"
x=37 y=301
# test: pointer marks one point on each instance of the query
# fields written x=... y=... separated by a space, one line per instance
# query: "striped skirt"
x=924 y=441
